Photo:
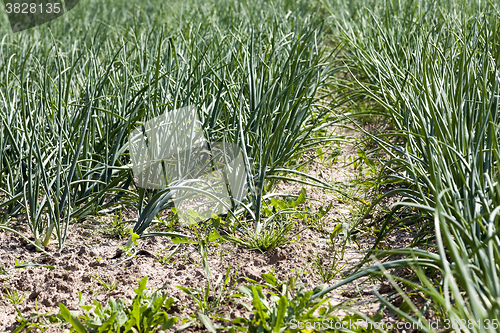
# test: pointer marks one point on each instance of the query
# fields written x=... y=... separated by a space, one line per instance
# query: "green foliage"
x=279 y=227
x=21 y=265
x=286 y=204
x=164 y=259
x=254 y=70
x=287 y=305
x=432 y=68
x=116 y=228
x=108 y=285
x=330 y=265
x=144 y=314
x=129 y=248
x=277 y=231
x=13 y=295
x=212 y=295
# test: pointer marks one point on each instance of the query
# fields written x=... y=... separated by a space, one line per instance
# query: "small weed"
x=279 y=226
x=328 y=266
x=143 y=314
x=165 y=223
x=212 y=295
x=116 y=228
x=287 y=305
x=35 y=322
x=275 y=233
x=106 y=285
x=14 y=296
x=165 y=259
